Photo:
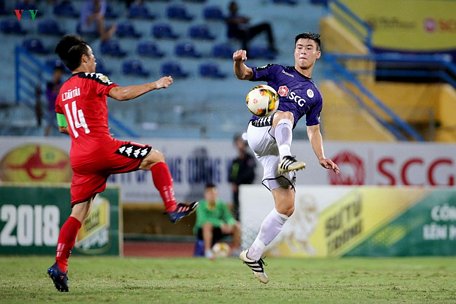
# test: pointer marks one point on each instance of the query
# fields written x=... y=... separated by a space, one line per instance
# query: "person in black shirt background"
x=241 y=171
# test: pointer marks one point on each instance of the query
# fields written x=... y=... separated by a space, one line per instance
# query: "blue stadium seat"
x=112 y=48
x=134 y=67
x=137 y=11
x=257 y=52
x=289 y=2
x=178 y=12
x=50 y=27
x=214 y=13
x=200 y=31
x=223 y=50
x=101 y=67
x=35 y=45
x=110 y=13
x=149 y=49
x=65 y=9
x=187 y=49
x=126 y=29
x=211 y=70
x=11 y=26
x=163 y=31
x=173 y=69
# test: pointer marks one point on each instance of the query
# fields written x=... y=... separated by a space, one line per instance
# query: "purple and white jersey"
x=298 y=94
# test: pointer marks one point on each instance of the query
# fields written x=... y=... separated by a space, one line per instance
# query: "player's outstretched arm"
x=133 y=91
x=316 y=141
x=241 y=71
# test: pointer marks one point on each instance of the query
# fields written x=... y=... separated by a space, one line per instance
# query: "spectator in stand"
x=241 y=171
x=52 y=89
x=93 y=21
x=214 y=222
x=238 y=27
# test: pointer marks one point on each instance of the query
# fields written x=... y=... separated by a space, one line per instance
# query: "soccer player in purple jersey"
x=270 y=137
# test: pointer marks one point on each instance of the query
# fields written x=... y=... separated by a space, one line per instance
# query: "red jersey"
x=94 y=154
x=83 y=101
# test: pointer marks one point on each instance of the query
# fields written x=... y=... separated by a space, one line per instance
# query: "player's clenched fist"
x=164 y=82
x=240 y=55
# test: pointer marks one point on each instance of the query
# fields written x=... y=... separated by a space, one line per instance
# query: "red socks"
x=67 y=238
x=163 y=181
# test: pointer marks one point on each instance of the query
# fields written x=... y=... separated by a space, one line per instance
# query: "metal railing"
x=339 y=72
x=360 y=28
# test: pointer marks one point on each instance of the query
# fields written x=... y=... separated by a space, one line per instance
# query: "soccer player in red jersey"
x=82 y=112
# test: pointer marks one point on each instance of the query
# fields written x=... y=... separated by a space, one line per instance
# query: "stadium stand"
x=50 y=27
x=149 y=49
x=186 y=39
x=134 y=67
x=127 y=29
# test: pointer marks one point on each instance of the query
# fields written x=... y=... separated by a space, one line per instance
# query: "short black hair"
x=308 y=35
x=70 y=50
x=210 y=185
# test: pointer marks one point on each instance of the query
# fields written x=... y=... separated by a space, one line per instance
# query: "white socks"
x=270 y=228
x=284 y=134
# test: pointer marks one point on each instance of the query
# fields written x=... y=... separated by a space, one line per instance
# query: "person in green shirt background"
x=214 y=222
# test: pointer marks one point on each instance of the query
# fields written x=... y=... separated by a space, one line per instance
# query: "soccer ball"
x=221 y=250
x=262 y=100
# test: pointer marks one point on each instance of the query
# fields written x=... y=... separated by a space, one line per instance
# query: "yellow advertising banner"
x=409 y=25
x=344 y=223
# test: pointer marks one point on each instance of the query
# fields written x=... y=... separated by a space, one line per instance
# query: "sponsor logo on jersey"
x=284 y=91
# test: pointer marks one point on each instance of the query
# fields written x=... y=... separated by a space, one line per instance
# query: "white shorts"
x=263 y=144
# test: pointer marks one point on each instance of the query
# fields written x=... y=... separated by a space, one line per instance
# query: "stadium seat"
x=112 y=48
x=34 y=45
x=257 y=52
x=195 y=1
x=163 y=31
x=187 y=49
x=149 y=49
x=214 y=13
x=126 y=29
x=53 y=62
x=200 y=31
x=101 y=67
x=49 y=27
x=289 y=2
x=137 y=11
x=173 y=69
x=223 y=50
x=178 y=12
x=65 y=9
x=87 y=35
x=134 y=67
x=211 y=70
x=11 y=26
x=110 y=13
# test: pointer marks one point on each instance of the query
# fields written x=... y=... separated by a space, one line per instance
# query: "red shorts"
x=92 y=167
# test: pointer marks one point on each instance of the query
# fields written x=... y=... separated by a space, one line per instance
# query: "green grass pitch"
x=197 y=280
